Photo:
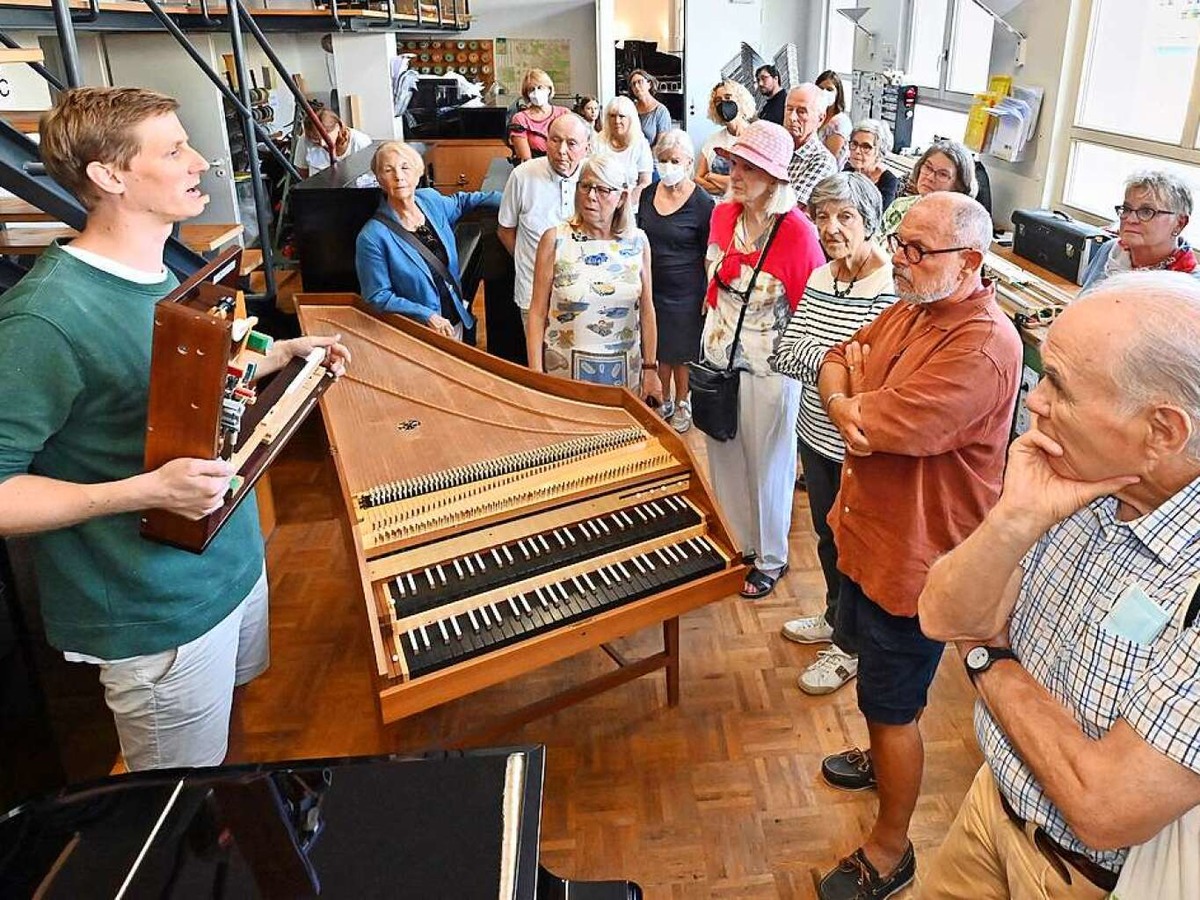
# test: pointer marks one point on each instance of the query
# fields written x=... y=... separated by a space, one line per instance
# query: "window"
x=1125 y=116
x=949 y=48
x=839 y=39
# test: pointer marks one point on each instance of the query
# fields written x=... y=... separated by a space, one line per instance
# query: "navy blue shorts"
x=896 y=662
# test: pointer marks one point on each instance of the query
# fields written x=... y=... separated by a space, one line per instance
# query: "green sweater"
x=75 y=341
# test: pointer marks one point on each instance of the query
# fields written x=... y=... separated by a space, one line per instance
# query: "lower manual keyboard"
x=490 y=626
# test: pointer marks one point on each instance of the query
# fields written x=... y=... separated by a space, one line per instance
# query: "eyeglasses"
x=915 y=254
x=865 y=148
x=1142 y=213
x=602 y=190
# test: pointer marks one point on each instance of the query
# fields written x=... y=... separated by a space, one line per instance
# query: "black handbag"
x=714 y=390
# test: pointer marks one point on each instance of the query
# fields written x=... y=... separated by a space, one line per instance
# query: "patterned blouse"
x=593 y=332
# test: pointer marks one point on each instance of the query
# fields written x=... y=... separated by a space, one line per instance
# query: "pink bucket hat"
x=765 y=145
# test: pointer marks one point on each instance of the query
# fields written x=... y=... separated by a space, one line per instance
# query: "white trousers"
x=754 y=474
x=172 y=708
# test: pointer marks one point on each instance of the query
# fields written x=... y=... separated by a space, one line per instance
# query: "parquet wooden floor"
x=717 y=798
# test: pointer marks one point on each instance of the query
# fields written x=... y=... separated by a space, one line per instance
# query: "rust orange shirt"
x=937 y=407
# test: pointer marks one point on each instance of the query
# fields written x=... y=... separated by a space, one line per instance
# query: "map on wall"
x=516 y=56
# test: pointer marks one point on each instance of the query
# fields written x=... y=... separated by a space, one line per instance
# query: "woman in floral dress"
x=591 y=316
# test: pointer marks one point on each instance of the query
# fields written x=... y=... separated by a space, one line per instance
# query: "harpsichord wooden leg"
x=671 y=649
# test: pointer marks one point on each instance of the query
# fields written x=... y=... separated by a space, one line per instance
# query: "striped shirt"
x=821 y=320
x=1072 y=578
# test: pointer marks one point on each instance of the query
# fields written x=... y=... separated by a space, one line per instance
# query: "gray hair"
x=964 y=165
x=878 y=130
x=675 y=139
x=609 y=169
x=1169 y=190
x=853 y=188
x=1161 y=361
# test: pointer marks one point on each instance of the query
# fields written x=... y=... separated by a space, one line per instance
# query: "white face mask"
x=539 y=95
x=671 y=174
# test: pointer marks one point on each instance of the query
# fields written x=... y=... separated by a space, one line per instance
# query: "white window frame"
x=940 y=96
x=827 y=14
x=1184 y=150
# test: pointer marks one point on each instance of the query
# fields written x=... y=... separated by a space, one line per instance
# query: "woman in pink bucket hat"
x=754 y=472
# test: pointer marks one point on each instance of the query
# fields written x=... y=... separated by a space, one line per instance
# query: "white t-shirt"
x=719 y=138
x=536 y=198
x=637 y=155
x=316 y=157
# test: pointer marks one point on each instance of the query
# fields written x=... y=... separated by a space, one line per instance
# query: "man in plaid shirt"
x=1081 y=584
x=811 y=161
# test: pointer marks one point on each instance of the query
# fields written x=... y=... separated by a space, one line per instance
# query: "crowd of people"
x=865 y=339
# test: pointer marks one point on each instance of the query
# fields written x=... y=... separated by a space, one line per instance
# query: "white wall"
x=362 y=68
x=644 y=20
x=798 y=21
x=574 y=20
x=24 y=88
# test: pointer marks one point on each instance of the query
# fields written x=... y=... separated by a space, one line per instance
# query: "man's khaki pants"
x=987 y=857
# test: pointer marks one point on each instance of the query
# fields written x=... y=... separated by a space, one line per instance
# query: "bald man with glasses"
x=923 y=397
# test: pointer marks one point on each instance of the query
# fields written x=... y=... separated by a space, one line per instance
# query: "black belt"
x=1059 y=856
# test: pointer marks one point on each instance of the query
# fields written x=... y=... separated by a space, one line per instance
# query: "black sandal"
x=762 y=583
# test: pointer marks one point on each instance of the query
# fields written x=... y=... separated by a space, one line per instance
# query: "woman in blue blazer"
x=405 y=253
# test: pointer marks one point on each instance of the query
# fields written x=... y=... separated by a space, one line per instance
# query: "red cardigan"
x=792 y=257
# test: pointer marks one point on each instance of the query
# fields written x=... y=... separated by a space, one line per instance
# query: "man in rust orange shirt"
x=923 y=397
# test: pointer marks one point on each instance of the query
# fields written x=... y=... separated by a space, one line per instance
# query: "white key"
x=578 y=586
x=603 y=527
x=508 y=555
x=479 y=562
x=570 y=537
x=483 y=613
x=495 y=612
x=412 y=639
x=429 y=575
x=638 y=565
x=441 y=574
x=541 y=597
x=625 y=516
x=665 y=560
x=695 y=545
x=458 y=569
x=658 y=509
x=645 y=557
x=454 y=625
x=542 y=540
x=522 y=548
x=499 y=561
x=603 y=577
x=525 y=604
x=425 y=637
x=474 y=621
x=673 y=553
x=562 y=590
x=624 y=571
x=412 y=585
x=445 y=633
x=470 y=568
x=559 y=538
x=400 y=585
x=589 y=582
x=516 y=612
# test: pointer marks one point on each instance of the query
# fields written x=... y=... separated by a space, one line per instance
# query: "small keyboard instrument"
x=503 y=519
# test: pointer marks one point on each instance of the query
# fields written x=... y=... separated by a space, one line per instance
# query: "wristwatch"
x=979 y=659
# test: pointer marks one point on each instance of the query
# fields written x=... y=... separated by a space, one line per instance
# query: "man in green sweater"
x=171 y=632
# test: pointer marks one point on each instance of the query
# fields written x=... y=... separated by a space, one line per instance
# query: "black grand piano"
x=445 y=826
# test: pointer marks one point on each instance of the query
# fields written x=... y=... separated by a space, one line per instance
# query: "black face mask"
x=727 y=110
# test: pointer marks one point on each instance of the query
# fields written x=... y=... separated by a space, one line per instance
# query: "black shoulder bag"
x=442 y=276
x=714 y=390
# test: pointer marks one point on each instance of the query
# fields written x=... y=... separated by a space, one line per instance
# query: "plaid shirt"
x=809 y=164
x=1073 y=576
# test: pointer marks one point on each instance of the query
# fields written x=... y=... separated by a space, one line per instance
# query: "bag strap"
x=762 y=258
x=1189 y=618
x=443 y=276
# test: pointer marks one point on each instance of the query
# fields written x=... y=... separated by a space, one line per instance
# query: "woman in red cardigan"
x=753 y=474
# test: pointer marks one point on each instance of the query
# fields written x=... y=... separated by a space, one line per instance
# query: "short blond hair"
x=611 y=171
x=533 y=78
x=96 y=124
x=400 y=149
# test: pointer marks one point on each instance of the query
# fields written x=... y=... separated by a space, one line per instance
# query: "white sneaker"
x=682 y=420
x=832 y=669
x=808 y=630
x=667 y=409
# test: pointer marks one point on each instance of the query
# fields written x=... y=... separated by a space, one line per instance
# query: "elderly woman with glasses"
x=1151 y=220
x=842 y=296
x=591 y=316
x=869 y=140
x=946 y=166
x=752 y=474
